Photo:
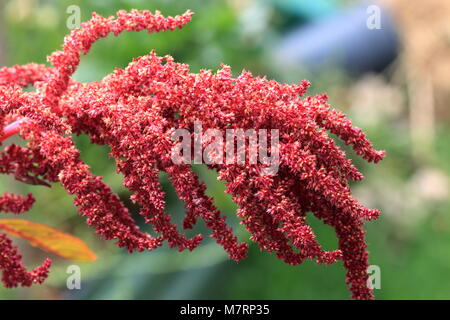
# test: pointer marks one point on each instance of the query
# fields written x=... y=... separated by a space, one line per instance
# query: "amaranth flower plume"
x=136 y=110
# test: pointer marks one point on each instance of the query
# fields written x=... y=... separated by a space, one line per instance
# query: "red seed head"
x=136 y=110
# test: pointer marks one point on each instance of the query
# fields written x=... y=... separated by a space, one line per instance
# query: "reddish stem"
x=11 y=129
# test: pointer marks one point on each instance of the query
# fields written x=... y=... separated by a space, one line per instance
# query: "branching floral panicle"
x=135 y=112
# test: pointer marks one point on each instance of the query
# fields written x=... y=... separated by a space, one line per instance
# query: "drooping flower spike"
x=136 y=111
x=14 y=273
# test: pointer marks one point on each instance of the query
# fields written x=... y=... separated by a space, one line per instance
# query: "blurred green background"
x=410 y=242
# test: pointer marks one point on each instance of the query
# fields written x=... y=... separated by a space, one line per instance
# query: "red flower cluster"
x=136 y=110
x=14 y=273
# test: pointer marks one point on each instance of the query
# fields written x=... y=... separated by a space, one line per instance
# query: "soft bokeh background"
x=393 y=82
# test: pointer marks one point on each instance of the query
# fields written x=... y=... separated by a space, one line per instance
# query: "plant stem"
x=11 y=129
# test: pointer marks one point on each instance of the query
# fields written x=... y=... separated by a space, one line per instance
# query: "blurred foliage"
x=410 y=242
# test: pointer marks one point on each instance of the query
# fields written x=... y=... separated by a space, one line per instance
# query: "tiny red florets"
x=135 y=111
x=16 y=203
x=14 y=273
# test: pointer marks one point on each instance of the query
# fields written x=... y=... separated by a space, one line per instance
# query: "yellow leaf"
x=48 y=239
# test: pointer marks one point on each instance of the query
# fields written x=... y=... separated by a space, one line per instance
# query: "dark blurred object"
x=341 y=40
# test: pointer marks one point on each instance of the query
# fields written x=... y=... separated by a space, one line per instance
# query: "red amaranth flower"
x=16 y=203
x=136 y=110
x=13 y=271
